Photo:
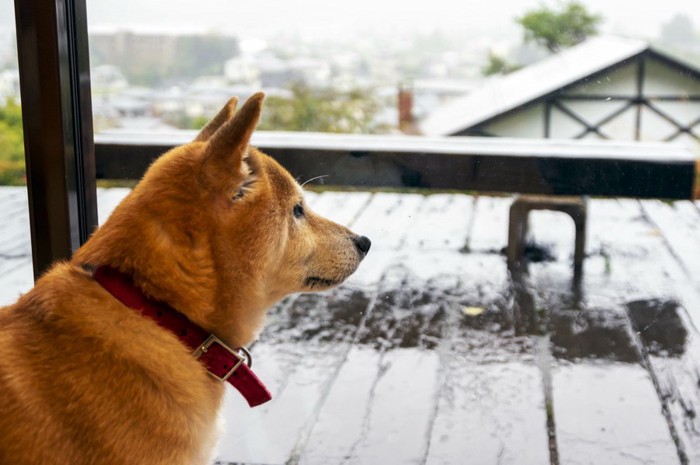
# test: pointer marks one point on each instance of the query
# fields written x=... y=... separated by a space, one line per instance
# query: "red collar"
x=223 y=363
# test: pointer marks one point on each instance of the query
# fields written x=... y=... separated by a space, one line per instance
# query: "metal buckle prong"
x=248 y=356
x=211 y=340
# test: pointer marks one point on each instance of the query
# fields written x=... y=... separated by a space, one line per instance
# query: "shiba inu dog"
x=118 y=356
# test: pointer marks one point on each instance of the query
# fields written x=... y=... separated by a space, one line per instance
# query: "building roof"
x=504 y=93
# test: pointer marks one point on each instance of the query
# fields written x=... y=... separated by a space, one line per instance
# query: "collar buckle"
x=204 y=347
x=213 y=354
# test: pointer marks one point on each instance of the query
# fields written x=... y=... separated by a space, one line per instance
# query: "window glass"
x=15 y=244
x=535 y=302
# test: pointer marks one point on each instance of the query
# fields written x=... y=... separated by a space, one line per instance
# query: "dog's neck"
x=221 y=361
x=201 y=295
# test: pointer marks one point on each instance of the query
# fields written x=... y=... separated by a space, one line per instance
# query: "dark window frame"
x=54 y=66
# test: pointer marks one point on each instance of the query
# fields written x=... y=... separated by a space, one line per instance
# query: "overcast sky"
x=326 y=18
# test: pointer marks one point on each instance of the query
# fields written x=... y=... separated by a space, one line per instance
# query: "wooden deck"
x=395 y=367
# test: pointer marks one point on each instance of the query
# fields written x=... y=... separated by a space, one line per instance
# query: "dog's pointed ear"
x=224 y=115
x=225 y=168
x=234 y=135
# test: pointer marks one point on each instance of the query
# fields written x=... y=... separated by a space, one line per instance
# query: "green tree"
x=181 y=120
x=11 y=145
x=554 y=29
x=321 y=111
x=496 y=64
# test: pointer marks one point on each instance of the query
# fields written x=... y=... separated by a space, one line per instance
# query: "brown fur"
x=210 y=230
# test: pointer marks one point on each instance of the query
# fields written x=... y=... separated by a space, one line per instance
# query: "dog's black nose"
x=362 y=243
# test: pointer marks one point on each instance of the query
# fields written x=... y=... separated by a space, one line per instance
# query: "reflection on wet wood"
x=489 y=231
x=492 y=406
x=433 y=353
x=343 y=207
x=442 y=223
x=679 y=225
x=598 y=408
x=14 y=227
x=609 y=414
x=16 y=276
x=659 y=326
x=592 y=333
x=378 y=411
x=108 y=201
x=668 y=299
x=490 y=414
x=678 y=377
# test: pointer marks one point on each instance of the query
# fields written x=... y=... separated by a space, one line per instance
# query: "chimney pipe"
x=407 y=123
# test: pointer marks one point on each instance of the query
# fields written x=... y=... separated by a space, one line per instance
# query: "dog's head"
x=221 y=231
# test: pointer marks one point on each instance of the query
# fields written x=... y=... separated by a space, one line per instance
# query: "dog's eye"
x=298 y=210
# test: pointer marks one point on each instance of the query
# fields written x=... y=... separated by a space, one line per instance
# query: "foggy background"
x=327 y=19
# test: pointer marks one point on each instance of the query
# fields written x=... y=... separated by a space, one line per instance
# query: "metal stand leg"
x=575 y=207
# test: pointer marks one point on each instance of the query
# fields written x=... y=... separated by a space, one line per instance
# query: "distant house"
x=604 y=88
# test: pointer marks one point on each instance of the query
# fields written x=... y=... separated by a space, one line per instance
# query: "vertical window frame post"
x=54 y=66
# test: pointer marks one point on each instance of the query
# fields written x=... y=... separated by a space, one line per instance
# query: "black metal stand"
x=575 y=207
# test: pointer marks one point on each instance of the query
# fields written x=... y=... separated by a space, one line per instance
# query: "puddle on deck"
x=659 y=326
x=408 y=312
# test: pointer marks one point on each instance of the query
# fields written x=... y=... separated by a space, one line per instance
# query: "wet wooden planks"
x=378 y=410
x=628 y=311
x=605 y=414
x=16 y=274
x=673 y=348
x=15 y=245
x=678 y=224
x=662 y=321
x=491 y=407
x=588 y=400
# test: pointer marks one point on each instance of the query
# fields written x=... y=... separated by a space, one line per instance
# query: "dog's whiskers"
x=314 y=178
